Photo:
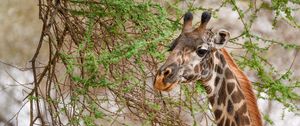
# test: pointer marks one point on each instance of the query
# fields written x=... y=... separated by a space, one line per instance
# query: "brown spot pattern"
x=197 y=68
x=222 y=59
x=217 y=55
x=229 y=107
x=227 y=122
x=222 y=94
x=240 y=118
x=230 y=87
x=237 y=96
x=228 y=74
x=217 y=81
x=247 y=120
x=221 y=122
x=210 y=62
x=217 y=114
x=232 y=124
x=242 y=109
x=218 y=69
x=212 y=99
x=237 y=119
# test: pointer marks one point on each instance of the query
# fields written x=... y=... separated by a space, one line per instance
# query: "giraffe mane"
x=246 y=88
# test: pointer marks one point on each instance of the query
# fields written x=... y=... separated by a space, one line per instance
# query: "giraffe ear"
x=221 y=38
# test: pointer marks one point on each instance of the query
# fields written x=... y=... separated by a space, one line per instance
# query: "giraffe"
x=199 y=55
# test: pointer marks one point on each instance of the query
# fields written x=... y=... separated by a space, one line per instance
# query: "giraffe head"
x=191 y=54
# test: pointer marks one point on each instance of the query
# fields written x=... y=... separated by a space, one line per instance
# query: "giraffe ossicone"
x=197 y=55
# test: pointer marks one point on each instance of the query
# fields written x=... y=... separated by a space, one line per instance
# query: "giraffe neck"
x=225 y=95
x=246 y=87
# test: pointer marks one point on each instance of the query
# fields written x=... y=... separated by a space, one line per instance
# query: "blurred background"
x=20 y=30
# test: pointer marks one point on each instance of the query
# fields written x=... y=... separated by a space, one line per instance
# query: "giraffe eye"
x=201 y=52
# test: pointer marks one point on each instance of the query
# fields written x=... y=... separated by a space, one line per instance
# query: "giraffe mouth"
x=170 y=86
x=185 y=79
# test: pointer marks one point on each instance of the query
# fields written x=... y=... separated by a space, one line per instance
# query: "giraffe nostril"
x=167 y=72
x=222 y=34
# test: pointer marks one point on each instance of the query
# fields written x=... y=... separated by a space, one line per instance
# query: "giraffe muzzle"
x=167 y=78
x=160 y=85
